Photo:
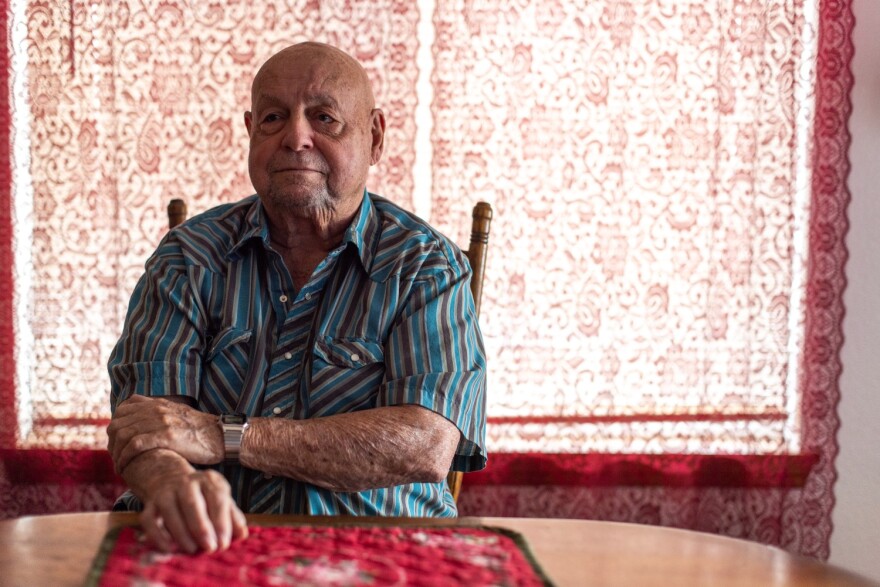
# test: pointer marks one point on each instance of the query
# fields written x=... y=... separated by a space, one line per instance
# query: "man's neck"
x=304 y=240
x=309 y=230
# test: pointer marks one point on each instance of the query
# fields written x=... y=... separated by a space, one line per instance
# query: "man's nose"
x=298 y=133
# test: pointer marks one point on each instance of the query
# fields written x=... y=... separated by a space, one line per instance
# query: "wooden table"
x=58 y=550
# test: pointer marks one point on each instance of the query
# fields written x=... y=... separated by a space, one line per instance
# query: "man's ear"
x=248 y=121
x=377 y=129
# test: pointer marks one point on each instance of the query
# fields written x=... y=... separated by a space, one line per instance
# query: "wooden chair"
x=481 y=220
x=176 y=212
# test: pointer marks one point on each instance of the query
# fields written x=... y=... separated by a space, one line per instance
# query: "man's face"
x=313 y=133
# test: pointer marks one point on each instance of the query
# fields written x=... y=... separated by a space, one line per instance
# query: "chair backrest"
x=481 y=220
x=176 y=212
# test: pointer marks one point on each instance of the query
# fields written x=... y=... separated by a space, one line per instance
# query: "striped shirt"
x=387 y=318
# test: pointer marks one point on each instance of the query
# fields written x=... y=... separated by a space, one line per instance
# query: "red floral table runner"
x=325 y=555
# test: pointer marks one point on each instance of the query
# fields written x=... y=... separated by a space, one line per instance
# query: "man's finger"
x=122 y=429
x=135 y=441
x=131 y=405
x=154 y=528
x=239 y=524
x=111 y=438
x=134 y=447
x=219 y=505
x=195 y=514
x=172 y=511
x=131 y=442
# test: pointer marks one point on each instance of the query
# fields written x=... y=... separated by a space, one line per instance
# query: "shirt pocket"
x=225 y=369
x=346 y=375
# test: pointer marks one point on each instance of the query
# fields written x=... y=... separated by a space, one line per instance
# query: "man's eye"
x=271 y=123
x=325 y=118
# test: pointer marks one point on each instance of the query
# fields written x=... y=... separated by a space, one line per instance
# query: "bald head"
x=339 y=68
x=314 y=133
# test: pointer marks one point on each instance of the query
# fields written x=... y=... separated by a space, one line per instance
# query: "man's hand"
x=184 y=508
x=194 y=512
x=143 y=424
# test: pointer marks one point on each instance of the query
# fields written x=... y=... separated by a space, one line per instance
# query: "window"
x=116 y=110
x=649 y=169
x=649 y=165
x=669 y=186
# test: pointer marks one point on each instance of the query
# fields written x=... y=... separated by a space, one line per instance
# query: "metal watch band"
x=233 y=427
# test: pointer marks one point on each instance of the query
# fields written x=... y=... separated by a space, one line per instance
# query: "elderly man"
x=310 y=349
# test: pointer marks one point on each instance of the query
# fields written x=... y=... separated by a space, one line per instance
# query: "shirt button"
x=276 y=410
x=308 y=296
x=355 y=357
x=283 y=298
x=288 y=356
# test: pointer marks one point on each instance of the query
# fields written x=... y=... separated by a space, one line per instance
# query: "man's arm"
x=194 y=509
x=380 y=447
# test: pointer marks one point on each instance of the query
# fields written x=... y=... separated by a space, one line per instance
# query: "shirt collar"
x=363 y=232
x=254 y=227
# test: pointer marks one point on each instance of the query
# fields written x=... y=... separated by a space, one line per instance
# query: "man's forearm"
x=147 y=472
x=374 y=448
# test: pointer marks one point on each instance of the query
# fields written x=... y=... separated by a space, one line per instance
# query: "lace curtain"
x=651 y=191
x=665 y=265
x=693 y=128
x=130 y=107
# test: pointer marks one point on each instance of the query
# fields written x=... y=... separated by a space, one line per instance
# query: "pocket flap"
x=349 y=352
x=225 y=339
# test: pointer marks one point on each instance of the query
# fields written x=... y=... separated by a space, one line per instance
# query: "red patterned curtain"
x=7 y=332
x=662 y=310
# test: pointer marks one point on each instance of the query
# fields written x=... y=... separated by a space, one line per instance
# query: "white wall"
x=855 y=541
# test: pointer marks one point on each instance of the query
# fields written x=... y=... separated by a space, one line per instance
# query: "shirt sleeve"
x=434 y=357
x=159 y=351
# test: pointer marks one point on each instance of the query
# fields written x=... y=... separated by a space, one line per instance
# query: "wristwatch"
x=233 y=427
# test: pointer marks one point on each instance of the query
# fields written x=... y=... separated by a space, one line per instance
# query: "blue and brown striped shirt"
x=386 y=319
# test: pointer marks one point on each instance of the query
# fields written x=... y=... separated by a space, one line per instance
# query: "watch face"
x=234 y=419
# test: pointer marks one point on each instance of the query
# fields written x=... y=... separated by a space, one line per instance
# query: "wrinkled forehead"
x=314 y=70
